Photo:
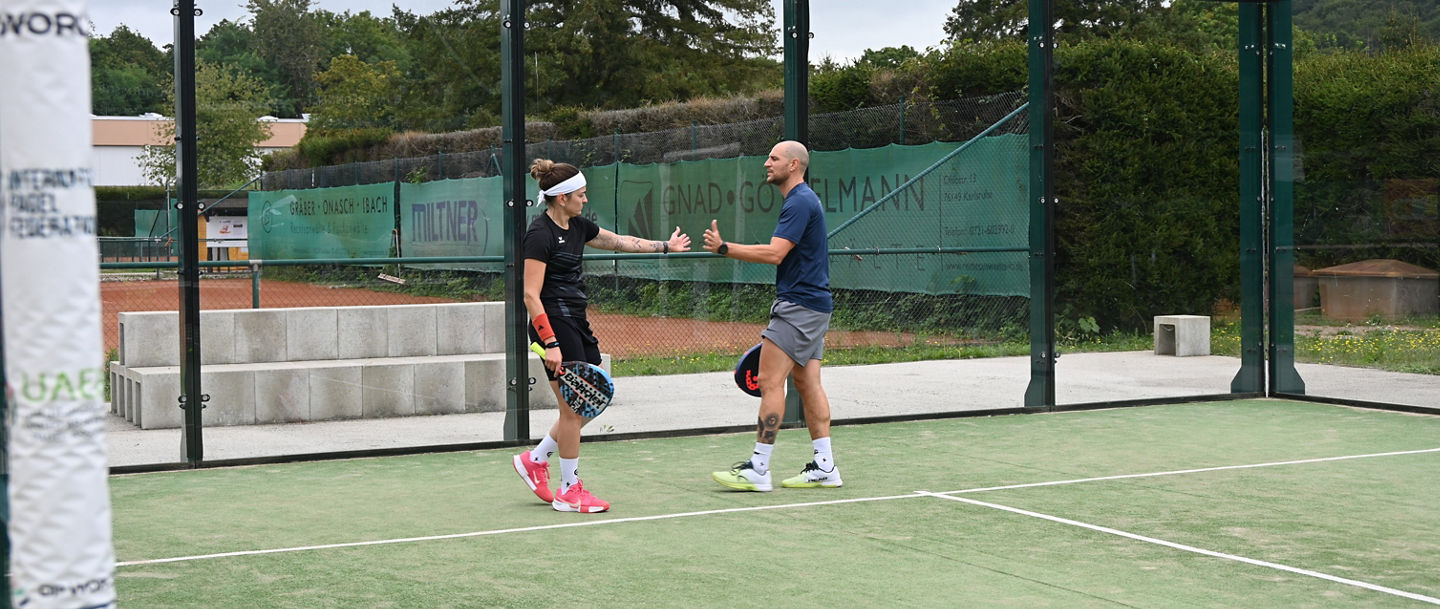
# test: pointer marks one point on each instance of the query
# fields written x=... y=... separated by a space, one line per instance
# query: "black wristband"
x=665 y=247
x=553 y=345
x=723 y=250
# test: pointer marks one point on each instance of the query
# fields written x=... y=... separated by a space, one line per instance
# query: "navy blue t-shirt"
x=803 y=277
x=561 y=250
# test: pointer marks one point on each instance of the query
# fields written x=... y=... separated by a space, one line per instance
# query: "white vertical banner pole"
x=61 y=552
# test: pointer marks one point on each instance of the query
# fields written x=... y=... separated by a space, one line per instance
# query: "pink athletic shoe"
x=535 y=475
x=577 y=499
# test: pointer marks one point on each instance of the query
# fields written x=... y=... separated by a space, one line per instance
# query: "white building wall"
x=118 y=166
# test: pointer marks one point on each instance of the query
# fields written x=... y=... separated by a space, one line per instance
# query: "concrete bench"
x=320 y=363
x=1182 y=335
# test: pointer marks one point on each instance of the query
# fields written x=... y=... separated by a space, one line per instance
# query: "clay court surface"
x=620 y=335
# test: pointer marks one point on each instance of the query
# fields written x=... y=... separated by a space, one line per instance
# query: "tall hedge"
x=1147 y=180
x=1368 y=129
x=1146 y=172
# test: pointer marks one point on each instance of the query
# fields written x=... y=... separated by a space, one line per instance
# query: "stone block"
x=335 y=392
x=485 y=384
x=156 y=397
x=282 y=394
x=387 y=390
x=312 y=333
x=149 y=339
x=460 y=328
x=362 y=332
x=440 y=387
x=232 y=396
x=411 y=330
x=1182 y=335
x=260 y=336
x=217 y=337
x=494 y=328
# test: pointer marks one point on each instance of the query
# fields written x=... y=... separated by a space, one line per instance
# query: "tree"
x=982 y=20
x=289 y=37
x=1365 y=24
x=227 y=105
x=355 y=95
x=126 y=72
x=455 y=79
x=625 y=53
x=369 y=38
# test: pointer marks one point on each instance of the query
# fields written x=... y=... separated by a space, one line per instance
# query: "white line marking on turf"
x=586 y=523
x=1180 y=546
x=543 y=527
x=1188 y=471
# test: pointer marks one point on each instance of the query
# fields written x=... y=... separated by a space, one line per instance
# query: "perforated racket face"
x=586 y=388
x=747 y=372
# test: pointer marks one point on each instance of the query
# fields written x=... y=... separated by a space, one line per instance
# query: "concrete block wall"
x=333 y=363
x=243 y=336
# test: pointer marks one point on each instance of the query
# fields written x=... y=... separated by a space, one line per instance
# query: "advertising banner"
x=976 y=199
x=226 y=231
x=322 y=223
x=454 y=218
x=62 y=556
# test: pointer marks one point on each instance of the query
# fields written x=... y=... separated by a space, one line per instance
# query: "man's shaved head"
x=792 y=149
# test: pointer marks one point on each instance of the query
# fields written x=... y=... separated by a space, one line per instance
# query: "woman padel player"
x=555 y=300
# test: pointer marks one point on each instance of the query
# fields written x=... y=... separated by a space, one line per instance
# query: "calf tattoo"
x=766 y=429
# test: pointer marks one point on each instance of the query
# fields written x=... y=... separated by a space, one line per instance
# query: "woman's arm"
x=534 y=280
x=606 y=240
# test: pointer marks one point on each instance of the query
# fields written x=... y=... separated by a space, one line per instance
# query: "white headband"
x=568 y=186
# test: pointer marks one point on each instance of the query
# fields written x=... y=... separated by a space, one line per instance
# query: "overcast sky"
x=843 y=28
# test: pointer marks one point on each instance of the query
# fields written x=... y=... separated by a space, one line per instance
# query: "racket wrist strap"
x=544 y=330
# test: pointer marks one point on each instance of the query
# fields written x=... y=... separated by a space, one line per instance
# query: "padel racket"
x=747 y=372
x=587 y=388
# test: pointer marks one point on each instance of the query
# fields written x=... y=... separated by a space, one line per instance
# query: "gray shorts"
x=798 y=331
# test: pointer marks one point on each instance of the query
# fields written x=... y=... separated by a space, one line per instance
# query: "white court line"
x=1180 y=546
x=587 y=523
x=1189 y=471
x=543 y=527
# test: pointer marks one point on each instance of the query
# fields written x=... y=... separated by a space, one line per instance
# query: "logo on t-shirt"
x=561 y=240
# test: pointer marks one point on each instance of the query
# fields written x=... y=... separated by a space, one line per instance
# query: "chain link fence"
x=905 y=123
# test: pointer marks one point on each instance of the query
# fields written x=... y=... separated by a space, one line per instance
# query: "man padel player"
x=794 y=342
x=555 y=300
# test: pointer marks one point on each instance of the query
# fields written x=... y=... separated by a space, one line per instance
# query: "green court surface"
x=1255 y=504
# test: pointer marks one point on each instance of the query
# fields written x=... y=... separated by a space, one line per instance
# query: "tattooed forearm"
x=641 y=246
x=766 y=428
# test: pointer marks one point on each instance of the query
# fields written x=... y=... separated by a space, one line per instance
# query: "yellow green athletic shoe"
x=814 y=477
x=743 y=477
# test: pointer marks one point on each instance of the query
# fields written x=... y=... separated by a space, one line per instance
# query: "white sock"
x=823 y=458
x=542 y=452
x=761 y=458
x=569 y=472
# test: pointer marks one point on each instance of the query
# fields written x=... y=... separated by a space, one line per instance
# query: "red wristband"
x=542 y=327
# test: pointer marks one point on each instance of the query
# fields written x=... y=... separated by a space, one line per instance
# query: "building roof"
x=144 y=131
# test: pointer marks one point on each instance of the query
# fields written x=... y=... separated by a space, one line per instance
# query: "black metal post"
x=187 y=166
x=513 y=170
x=1251 y=376
x=1041 y=391
x=797 y=127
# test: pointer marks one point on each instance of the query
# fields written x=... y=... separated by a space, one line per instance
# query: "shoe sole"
x=561 y=506
x=741 y=486
x=812 y=485
x=520 y=469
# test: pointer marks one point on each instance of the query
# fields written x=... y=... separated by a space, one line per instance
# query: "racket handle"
x=540 y=351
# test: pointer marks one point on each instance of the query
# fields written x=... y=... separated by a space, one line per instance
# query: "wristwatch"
x=723 y=250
